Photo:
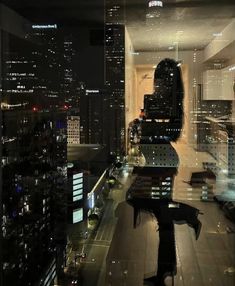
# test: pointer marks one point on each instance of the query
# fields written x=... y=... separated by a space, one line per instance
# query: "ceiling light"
x=217 y=34
x=154 y=8
x=155 y=4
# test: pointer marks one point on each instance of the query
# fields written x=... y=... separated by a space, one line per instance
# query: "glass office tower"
x=34 y=160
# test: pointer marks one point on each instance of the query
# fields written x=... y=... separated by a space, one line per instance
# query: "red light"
x=142 y=114
x=66 y=106
x=35 y=109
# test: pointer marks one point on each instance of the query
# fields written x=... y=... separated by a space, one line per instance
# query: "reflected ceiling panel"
x=188 y=24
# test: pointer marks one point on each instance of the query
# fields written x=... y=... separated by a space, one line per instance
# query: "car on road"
x=81 y=255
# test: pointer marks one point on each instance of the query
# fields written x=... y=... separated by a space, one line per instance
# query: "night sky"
x=72 y=12
x=84 y=20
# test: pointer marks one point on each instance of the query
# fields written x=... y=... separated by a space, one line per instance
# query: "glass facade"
x=117 y=142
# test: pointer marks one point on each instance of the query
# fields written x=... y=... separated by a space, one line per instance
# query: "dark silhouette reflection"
x=151 y=191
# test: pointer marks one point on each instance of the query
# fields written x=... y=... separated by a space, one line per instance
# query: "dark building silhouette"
x=93 y=112
x=115 y=82
x=34 y=164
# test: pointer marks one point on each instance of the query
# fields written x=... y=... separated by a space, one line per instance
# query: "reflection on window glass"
x=117 y=114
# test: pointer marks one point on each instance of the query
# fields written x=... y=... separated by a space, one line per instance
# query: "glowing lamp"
x=155 y=4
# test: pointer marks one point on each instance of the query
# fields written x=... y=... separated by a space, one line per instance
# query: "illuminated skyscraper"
x=93 y=116
x=73 y=130
x=115 y=74
x=53 y=56
x=33 y=165
x=115 y=11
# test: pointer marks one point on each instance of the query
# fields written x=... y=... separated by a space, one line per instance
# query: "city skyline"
x=117 y=114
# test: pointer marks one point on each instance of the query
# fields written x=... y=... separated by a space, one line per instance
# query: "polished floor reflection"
x=208 y=261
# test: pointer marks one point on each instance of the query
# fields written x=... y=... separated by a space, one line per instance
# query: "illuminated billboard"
x=44 y=26
x=77 y=176
x=77 y=215
x=77 y=187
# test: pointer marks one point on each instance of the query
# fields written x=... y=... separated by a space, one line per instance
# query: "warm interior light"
x=153 y=3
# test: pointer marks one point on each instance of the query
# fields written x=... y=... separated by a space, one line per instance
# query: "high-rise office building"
x=73 y=130
x=115 y=11
x=34 y=178
x=93 y=116
x=53 y=59
x=68 y=71
x=115 y=85
x=34 y=163
x=115 y=74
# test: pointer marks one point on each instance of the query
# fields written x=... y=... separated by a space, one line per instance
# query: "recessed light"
x=155 y=4
x=217 y=34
